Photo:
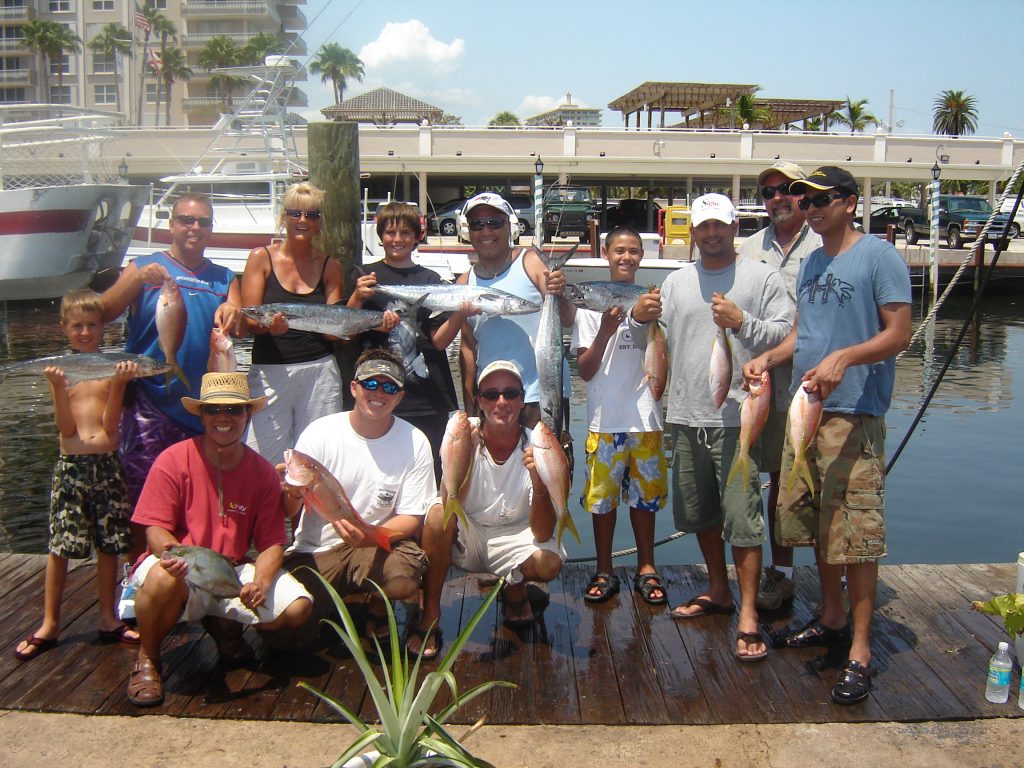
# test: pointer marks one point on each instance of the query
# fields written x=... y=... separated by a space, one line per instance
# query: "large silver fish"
x=332 y=319
x=548 y=349
x=602 y=295
x=85 y=366
x=449 y=298
x=208 y=570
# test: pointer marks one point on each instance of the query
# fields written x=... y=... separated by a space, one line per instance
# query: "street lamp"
x=933 y=234
x=538 y=201
x=122 y=169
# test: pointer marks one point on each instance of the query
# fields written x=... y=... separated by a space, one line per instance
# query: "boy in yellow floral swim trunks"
x=625 y=457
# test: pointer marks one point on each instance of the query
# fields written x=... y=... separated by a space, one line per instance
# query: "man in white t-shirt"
x=387 y=470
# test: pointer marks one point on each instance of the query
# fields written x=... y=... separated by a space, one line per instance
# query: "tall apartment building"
x=94 y=80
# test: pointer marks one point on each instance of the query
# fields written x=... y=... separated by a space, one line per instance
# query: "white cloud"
x=408 y=46
x=534 y=105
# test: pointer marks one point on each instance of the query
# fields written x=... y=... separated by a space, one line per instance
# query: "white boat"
x=63 y=217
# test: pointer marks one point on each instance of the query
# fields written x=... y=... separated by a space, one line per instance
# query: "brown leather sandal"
x=145 y=686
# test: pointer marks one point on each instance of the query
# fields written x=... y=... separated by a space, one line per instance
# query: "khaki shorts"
x=701 y=460
x=843 y=514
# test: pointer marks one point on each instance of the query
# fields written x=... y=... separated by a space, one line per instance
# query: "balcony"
x=292 y=19
x=299 y=47
x=14 y=45
x=193 y=103
x=16 y=13
x=262 y=10
x=195 y=42
x=17 y=77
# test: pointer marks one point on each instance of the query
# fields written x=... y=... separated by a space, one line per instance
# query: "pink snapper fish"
x=720 y=368
x=222 y=353
x=171 y=319
x=553 y=468
x=457 y=451
x=753 y=414
x=656 y=360
x=804 y=417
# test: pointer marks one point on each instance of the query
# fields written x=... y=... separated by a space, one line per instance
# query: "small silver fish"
x=85 y=366
x=602 y=295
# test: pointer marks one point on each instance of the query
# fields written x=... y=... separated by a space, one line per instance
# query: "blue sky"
x=477 y=59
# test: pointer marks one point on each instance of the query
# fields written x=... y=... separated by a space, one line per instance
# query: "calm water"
x=955 y=495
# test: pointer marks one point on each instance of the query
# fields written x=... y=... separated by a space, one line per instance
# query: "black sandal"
x=425 y=636
x=607 y=585
x=646 y=583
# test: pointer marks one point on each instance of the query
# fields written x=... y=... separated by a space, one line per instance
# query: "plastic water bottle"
x=1020 y=698
x=997 y=690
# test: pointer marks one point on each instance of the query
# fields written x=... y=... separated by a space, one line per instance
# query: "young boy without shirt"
x=88 y=501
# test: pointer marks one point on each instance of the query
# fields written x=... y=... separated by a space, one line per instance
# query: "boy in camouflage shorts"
x=88 y=502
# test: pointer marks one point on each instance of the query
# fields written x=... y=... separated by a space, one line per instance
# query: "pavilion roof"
x=383 y=106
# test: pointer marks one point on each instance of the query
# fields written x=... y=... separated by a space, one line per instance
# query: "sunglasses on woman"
x=293 y=213
x=217 y=410
x=511 y=393
x=495 y=222
x=187 y=220
x=820 y=200
x=372 y=385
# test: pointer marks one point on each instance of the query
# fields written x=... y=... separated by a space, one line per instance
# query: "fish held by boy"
x=171 y=319
x=208 y=570
x=553 y=467
x=330 y=319
x=85 y=366
x=804 y=416
x=458 y=447
x=602 y=295
x=753 y=415
x=222 y=353
x=321 y=492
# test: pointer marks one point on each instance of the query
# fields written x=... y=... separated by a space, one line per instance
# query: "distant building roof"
x=560 y=115
x=383 y=106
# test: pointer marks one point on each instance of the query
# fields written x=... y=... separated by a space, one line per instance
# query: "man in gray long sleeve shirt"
x=748 y=300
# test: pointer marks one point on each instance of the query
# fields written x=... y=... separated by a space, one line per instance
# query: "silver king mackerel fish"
x=331 y=319
x=85 y=366
x=449 y=298
x=602 y=295
x=548 y=349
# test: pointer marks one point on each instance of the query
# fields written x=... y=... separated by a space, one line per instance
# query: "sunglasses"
x=217 y=410
x=187 y=221
x=372 y=385
x=820 y=200
x=292 y=213
x=509 y=394
x=495 y=222
x=769 y=192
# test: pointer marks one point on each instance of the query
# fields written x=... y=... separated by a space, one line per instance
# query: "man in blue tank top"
x=154 y=418
x=853 y=317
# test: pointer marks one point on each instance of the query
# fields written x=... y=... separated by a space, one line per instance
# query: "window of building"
x=61 y=67
x=105 y=94
x=104 y=64
x=152 y=89
x=60 y=6
x=12 y=96
x=103 y=5
x=160 y=5
x=60 y=94
x=10 y=63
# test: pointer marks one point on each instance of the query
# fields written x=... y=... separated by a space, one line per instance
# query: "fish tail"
x=453 y=506
x=381 y=537
x=799 y=469
x=180 y=374
x=740 y=467
x=565 y=521
x=805 y=473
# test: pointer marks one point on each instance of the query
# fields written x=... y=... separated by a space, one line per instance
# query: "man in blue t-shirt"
x=154 y=418
x=853 y=317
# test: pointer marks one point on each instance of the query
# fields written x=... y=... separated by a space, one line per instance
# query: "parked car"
x=961 y=218
x=882 y=217
x=634 y=213
x=445 y=219
x=521 y=204
x=1017 y=225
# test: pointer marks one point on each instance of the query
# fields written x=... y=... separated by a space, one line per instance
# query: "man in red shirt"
x=212 y=491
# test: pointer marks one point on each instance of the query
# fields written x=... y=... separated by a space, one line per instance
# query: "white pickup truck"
x=1017 y=225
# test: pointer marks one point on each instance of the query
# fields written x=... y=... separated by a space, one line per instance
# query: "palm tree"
x=175 y=68
x=954 y=114
x=336 y=64
x=163 y=28
x=747 y=110
x=855 y=115
x=222 y=51
x=113 y=40
x=814 y=124
x=504 y=118
x=52 y=41
x=261 y=45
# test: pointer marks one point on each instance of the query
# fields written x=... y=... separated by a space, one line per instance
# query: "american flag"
x=153 y=60
x=141 y=21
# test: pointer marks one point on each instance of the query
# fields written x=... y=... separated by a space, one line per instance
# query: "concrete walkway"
x=33 y=740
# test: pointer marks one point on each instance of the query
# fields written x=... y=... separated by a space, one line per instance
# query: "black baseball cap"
x=825 y=178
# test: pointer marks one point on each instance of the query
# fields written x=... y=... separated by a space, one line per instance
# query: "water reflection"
x=935 y=496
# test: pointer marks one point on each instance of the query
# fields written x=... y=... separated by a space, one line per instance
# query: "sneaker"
x=776 y=588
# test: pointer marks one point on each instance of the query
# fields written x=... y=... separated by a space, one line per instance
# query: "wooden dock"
x=620 y=663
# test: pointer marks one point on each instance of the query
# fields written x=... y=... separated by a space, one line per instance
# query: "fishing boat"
x=65 y=214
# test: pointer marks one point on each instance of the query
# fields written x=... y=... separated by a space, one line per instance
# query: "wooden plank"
x=556 y=694
x=597 y=686
x=670 y=659
x=297 y=703
x=476 y=663
x=964 y=584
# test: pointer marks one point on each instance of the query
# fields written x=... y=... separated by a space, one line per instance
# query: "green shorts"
x=701 y=460
x=843 y=514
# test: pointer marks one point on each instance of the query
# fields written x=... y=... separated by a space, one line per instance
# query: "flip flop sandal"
x=750 y=637
x=707 y=608
x=145 y=686
x=425 y=636
x=36 y=646
x=645 y=584
x=607 y=585
x=118 y=635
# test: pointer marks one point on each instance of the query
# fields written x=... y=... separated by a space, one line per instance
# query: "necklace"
x=504 y=265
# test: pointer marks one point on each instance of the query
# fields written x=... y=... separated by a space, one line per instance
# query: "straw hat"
x=223 y=389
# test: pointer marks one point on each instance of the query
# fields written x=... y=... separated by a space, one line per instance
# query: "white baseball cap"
x=712 y=206
x=500 y=365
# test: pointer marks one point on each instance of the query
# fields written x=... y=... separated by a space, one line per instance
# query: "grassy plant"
x=408 y=736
